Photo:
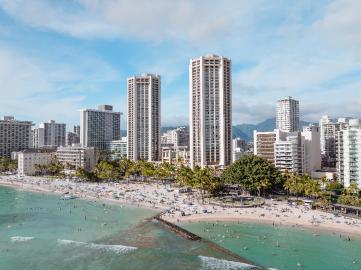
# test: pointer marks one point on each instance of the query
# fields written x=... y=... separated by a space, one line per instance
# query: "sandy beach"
x=188 y=207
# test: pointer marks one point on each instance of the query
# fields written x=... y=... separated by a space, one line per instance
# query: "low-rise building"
x=117 y=149
x=264 y=143
x=28 y=159
x=174 y=154
x=177 y=137
x=290 y=151
x=239 y=148
x=78 y=157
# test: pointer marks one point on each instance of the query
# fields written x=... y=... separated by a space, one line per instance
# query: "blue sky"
x=57 y=57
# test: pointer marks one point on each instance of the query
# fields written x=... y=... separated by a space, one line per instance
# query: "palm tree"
x=184 y=175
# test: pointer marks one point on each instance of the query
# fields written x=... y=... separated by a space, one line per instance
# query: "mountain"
x=243 y=131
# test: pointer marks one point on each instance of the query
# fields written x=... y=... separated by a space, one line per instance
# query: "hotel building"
x=143 y=133
x=210 y=87
x=14 y=135
x=97 y=127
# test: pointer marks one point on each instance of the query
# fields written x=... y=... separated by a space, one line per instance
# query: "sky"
x=58 y=56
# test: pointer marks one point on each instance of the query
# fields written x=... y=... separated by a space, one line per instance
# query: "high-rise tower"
x=288 y=115
x=210 y=87
x=144 y=117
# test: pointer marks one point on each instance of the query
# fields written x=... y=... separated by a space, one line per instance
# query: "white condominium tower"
x=288 y=115
x=329 y=129
x=97 y=127
x=144 y=117
x=349 y=153
x=210 y=87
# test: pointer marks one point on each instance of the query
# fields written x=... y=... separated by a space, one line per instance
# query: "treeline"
x=204 y=179
x=251 y=174
x=8 y=165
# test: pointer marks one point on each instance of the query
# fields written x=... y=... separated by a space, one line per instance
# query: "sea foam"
x=118 y=249
x=215 y=264
x=21 y=238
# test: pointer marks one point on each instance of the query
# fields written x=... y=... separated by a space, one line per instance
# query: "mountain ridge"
x=243 y=131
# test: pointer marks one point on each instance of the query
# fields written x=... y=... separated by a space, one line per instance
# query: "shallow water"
x=40 y=231
x=284 y=247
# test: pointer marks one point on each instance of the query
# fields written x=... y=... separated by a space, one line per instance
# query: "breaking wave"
x=118 y=249
x=21 y=238
x=219 y=264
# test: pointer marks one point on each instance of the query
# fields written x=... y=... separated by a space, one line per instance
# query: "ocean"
x=283 y=247
x=41 y=231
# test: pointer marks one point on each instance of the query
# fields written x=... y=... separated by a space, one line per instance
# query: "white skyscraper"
x=349 y=153
x=210 y=87
x=288 y=115
x=144 y=117
x=97 y=127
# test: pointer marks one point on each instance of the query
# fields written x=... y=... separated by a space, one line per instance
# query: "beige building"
x=79 y=157
x=292 y=151
x=143 y=133
x=28 y=159
x=14 y=135
x=263 y=143
x=210 y=91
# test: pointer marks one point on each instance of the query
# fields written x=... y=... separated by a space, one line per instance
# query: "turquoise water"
x=283 y=248
x=39 y=231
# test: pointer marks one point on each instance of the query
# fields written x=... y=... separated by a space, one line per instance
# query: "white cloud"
x=295 y=49
x=37 y=90
x=156 y=20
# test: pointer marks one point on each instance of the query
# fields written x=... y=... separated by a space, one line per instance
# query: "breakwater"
x=193 y=237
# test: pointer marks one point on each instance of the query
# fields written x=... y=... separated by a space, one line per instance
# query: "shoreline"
x=29 y=188
x=354 y=232
x=276 y=214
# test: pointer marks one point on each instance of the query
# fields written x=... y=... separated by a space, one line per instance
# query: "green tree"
x=106 y=170
x=250 y=171
x=54 y=168
x=294 y=184
x=124 y=166
x=85 y=175
x=205 y=180
x=8 y=165
x=146 y=169
x=184 y=175
x=165 y=171
x=312 y=188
